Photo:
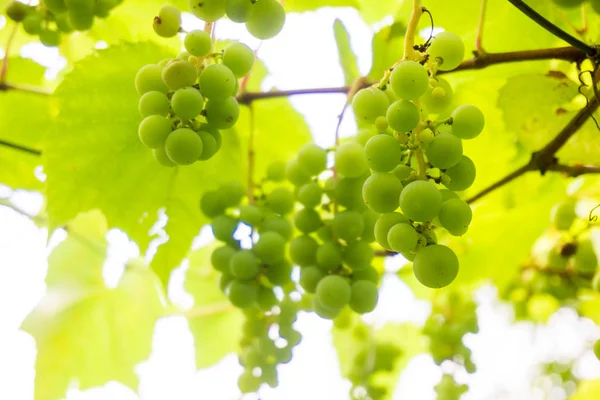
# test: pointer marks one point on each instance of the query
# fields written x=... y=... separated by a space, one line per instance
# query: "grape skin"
x=323 y=311
x=409 y=80
x=222 y=114
x=280 y=200
x=168 y=21
x=467 y=121
x=358 y=254
x=445 y=151
x=239 y=58
x=563 y=215
x=370 y=103
x=154 y=131
x=381 y=192
x=329 y=256
x=208 y=10
x=333 y=292
x=243 y=265
x=307 y=220
x=184 y=146
x=211 y=204
x=187 y=103
x=242 y=294
x=384 y=224
x=350 y=160
x=223 y=227
x=276 y=171
x=383 y=153
x=295 y=173
x=312 y=158
x=402 y=238
x=348 y=225
x=161 y=157
x=303 y=250
x=310 y=194
x=436 y=104
x=209 y=145
x=462 y=175
x=154 y=103
x=310 y=278
x=179 y=74
x=586 y=260
x=239 y=10
x=217 y=82
x=403 y=116
x=435 y=266
x=420 y=201
x=266 y=20
x=448 y=48
x=364 y=296
x=149 y=78
x=198 y=43
x=455 y=216
x=270 y=247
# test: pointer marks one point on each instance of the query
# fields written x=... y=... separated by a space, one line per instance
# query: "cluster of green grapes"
x=51 y=18
x=449 y=389
x=453 y=315
x=563 y=260
x=417 y=152
x=333 y=248
x=576 y=3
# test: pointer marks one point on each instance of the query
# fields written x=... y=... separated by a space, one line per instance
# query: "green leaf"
x=587 y=390
x=347 y=57
x=83 y=330
x=214 y=322
x=311 y=5
x=24 y=118
x=388 y=45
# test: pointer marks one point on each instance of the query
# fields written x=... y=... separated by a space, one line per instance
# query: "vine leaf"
x=84 y=331
x=347 y=57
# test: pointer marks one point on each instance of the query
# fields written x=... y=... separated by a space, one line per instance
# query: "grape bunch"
x=448 y=389
x=52 y=18
x=452 y=316
x=416 y=159
x=333 y=246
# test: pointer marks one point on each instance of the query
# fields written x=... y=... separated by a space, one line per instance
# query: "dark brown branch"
x=575 y=170
x=19 y=147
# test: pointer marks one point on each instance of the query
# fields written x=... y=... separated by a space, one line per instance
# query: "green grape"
x=370 y=103
x=366 y=274
x=184 y=146
x=381 y=192
x=439 y=98
x=325 y=233
x=358 y=254
x=586 y=260
x=281 y=201
x=384 y=224
x=232 y=193
x=292 y=336
x=402 y=238
x=184 y=56
x=223 y=227
x=403 y=116
x=323 y=311
x=462 y=175
x=402 y=171
x=445 y=151
x=222 y=114
x=312 y=159
x=244 y=265
x=49 y=38
x=280 y=273
x=217 y=82
x=242 y=294
x=161 y=157
x=266 y=298
x=248 y=383
x=420 y=201
x=409 y=256
x=239 y=10
x=154 y=103
x=348 y=225
x=310 y=278
x=447 y=49
x=383 y=153
x=239 y=58
x=295 y=173
x=448 y=195
x=307 y=220
x=251 y=215
x=563 y=214
x=266 y=20
x=187 y=103
x=17 y=11
x=350 y=160
x=310 y=195
x=270 y=248
x=348 y=192
x=224 y=281
x=568 y=3
x=595 y=5
x=467 y=121
x=381 y=123
x=455 y=216
x=435 y=266
x=597 y=349
x=82 y=19
x=32 y=23
x=364 y=296
x=556 y=261
x=329 y=256
x=168 y=21
x=333 y=292
x=198 y=43
x=284 y=355
x=409 y=80
x=303 y=250
x=102 y=7
x=209 y=145
x=179 y=74
x=279 y=225
x=149 y=78
x=370 y=218
x=208 y=10
x=363 y=135
x=426 y=137
x=154 y=131
x=276 y=171
x=211 y=204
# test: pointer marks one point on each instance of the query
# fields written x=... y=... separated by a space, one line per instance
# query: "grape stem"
x=480 y=26
x=411 y=31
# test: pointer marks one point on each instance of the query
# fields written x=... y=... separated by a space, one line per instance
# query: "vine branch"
x=19 y=147
x=251 y=155
x=480 y=26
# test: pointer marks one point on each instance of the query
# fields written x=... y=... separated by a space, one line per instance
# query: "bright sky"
x=303 y=55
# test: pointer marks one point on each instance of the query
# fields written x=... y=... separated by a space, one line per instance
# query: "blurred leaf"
x=388 y=45
x=347 y=57
x=587 y=390
x=311 y=5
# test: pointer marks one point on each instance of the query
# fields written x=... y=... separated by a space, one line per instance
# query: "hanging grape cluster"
x=416 y=159
x=333 y=248
x=448 y=389
x=187 y=100
x=50 y=19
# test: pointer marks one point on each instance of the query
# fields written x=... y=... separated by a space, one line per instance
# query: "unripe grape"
x=348 y=225
x=222 y=114
x=381 y=123
x=447 y=49
x=329 y=256
x=280 y=200
x=435 y=266
x=312 y=158
x=187 y=103
x=310 y=194
x=32 y=23
x=270 y=247
x=438 y=98
x=563 y=214
x=364 y=134
x=595 y=5
x=154 y=130
x=211 y=204
x=244 y=265
x=179 y=74
x=49 y=38
x=409 y=80
x=364 y=296
x=370 y=103
x=266 y=20
x=279 y=274
x=239 y=58
x=295 y=173
x=366 y=274
x=333 y=292
x=239 y=10
x=209 y=146
x=17 y=11
x=402 y=238
x=208 y=10
x=403 y=116
x=358 y=254
x=420 y=201
x=168 y=21
x=223 y=227
x=242 y=294
x=310 y=278
x=323 y=311
x=303 y=250
x=276 y=171
x=455 y=216
x=350 y=160
x=217 y=82
x=221 y=258
x=586 y=260
x=462 y=175
x=348 y=192
x=383 y=153
x=82 y=19
x=402 y=171
x=467 y=121
x=198 y=43
x=370 y=218
x=149 y=78
x=154 y=103
x=384 y=223
x=445 y=151
x=161 y=157
x=248 y=383
x=307 y=220
x=279 y=225
x=184 y=146
x=232 y=193
x=102 y=7
x=381 y=192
